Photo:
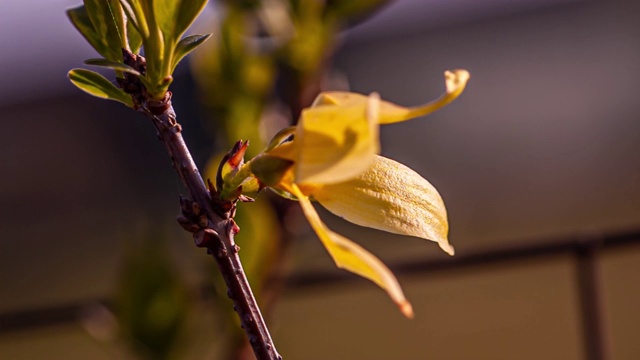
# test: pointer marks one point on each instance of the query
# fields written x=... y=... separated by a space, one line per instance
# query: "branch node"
x=159 y=107
x=203 y=222
x=199 y=238
x=211 y=233
x=210 y=187
x=205 y=237
x=187 y=224
x=195 y=208
x=233 y=228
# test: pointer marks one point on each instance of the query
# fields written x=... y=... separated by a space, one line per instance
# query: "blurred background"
x=538 y=163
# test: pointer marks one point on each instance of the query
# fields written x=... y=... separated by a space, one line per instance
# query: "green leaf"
x=175 y=16
x=134 y=38
x=108 y=19
x=185 y=46
x=82 y=22
x=158 y=63
x=112 y=65
x=136 y=17
x=97 y=85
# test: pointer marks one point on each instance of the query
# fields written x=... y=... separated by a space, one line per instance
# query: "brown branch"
x=211 y=221
x=206 y=215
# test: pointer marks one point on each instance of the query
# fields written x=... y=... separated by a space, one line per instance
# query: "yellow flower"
x=331 y=157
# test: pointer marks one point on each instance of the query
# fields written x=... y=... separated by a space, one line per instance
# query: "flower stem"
x=218 y=235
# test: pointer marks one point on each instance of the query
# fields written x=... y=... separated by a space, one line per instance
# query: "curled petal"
x=391 y=197
x=336 y=143
x=455 y=81
x=281 y=137
x=352 y=257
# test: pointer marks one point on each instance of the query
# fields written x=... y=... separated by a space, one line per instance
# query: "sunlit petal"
x=334 y=143
x=455 y=82
x=391 y=197
x=352 y=257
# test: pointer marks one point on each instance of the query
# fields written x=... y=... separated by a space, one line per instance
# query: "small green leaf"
x=112 y=65
x=175 y=16
x=154 y=47
x=97 y=85
x=81 y=21
x=108 y=19
x=185 y=46
x=135 y=16
x=134 y=38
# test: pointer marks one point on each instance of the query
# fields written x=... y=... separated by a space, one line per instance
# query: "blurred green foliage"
x=152 y=303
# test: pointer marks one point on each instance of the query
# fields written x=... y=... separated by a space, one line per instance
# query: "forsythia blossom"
x=331 y=157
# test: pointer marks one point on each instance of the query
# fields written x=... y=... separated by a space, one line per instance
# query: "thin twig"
x=206 y=215
x=218 y=233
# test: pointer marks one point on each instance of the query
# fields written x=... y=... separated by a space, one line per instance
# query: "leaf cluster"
x=113 y=27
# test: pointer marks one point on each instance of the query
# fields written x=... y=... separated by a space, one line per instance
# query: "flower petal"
x=391 y=197
x=336 y=143
x=352 y=257
x=455 y=82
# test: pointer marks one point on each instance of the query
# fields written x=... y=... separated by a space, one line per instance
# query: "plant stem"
x=218 y=236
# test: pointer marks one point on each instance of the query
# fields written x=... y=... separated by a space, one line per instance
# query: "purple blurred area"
x=545 y=142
